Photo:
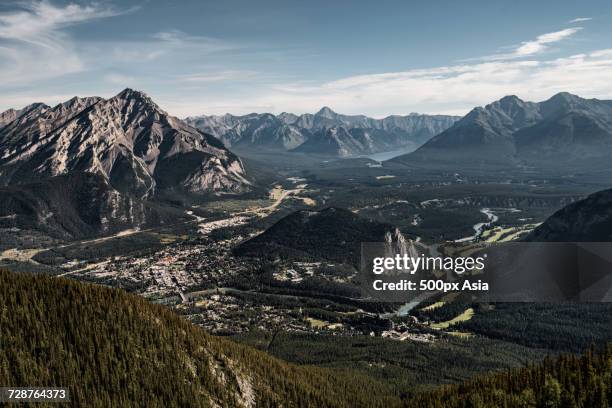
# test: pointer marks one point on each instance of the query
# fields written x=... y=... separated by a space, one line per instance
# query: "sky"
x=358 y=57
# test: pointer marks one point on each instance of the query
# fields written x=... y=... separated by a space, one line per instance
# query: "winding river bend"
x=479 y=227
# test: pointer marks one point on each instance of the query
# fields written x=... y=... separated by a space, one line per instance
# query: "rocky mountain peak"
x=26 y=116
x=563 y=128
x=290 y=131
x=287 y=118
x=510 y=105
x=510 y=101
x=565 y=97
x=33 y=109
x=136 y=98
x=76 y=104
x=326 y=112
x=561 y=102
x=129 y=93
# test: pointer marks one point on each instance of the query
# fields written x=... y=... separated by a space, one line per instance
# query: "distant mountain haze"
x=325 y=132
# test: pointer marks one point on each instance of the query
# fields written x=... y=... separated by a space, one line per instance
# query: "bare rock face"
x=8 y=116
x=25 y=114
x=136 y=146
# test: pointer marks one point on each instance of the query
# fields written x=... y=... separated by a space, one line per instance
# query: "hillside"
x=75 y=206
x=114 y=349
x=334 y=234
x=568 y=381
x=587 y=220
x=96 y=341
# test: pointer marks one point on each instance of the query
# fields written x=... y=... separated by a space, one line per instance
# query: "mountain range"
x=563 y=128
x=325 y=132
x=111 y=158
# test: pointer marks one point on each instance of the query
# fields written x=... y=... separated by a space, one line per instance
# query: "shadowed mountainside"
x=558 y=131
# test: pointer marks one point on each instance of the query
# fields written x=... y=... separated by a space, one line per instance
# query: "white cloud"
x=130 y=52
x=580 y=20
x=180 y=39
x=537 y=46
x=217 y=76
x=33 y=41
x=39 y=21
x=37 y=52
x=163 y=43
x=451 y=89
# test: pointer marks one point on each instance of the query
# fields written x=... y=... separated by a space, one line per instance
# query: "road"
x=26 y=255
x=279 y=195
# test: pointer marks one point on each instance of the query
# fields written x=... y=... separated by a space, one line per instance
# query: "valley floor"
x=191 y=268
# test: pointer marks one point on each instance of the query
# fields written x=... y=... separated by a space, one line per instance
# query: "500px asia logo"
x=430 y=285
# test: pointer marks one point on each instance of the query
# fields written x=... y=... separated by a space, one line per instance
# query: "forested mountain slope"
x=114 y=349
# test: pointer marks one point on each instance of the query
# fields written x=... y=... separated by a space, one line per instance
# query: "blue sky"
x=376 y=58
